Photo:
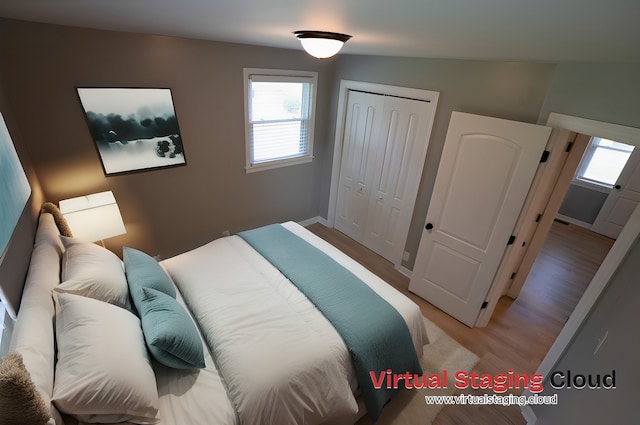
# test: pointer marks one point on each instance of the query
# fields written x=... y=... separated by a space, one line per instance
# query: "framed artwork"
x=134 y=129
x=14 y=187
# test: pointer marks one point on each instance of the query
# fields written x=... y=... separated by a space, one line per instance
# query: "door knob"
x=429 y=226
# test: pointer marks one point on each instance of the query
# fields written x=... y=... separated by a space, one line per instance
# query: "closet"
x=383 y=149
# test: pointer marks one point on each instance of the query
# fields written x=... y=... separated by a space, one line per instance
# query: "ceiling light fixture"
x=321 y=44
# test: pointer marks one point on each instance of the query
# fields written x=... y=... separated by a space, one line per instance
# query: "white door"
x=485 y=172
x=384 y=147
x=622 y=199
x=354 y=188
x=401 y=151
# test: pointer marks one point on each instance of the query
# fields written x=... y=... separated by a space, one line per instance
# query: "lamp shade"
x=321 y=44
x=93 y=217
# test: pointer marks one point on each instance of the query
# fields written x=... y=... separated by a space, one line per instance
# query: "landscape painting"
x=134 y=129
x=14 y=187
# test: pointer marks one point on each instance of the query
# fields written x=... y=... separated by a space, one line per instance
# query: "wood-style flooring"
x=521 y=331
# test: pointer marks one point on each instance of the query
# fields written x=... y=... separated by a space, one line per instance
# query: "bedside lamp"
x=93 y=217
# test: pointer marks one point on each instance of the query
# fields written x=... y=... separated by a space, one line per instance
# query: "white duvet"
x=281 y=360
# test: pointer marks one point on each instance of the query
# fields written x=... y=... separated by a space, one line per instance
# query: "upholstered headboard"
x=34 y=333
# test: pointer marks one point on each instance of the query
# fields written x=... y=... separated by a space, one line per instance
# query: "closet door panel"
x=358 y=163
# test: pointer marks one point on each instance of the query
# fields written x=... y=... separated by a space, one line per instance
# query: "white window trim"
x=272 y=75
x=578 y=180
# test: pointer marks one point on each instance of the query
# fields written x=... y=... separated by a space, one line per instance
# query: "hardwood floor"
x=521 y=331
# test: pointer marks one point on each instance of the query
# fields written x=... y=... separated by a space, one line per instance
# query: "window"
x=603 y=162
x=279 y=111
x=6 y=327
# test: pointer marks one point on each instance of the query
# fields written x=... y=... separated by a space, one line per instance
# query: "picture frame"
x=14 y=188
x=133 y=129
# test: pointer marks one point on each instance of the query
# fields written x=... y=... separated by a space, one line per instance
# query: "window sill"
x=604 y=188
x=277 y=164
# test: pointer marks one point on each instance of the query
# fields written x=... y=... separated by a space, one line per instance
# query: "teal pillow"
x=170 y=334
x=143 y=271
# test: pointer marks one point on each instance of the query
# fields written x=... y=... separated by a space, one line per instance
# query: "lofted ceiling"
x=528 y=30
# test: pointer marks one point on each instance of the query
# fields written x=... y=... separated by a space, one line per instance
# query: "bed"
x=227 y=338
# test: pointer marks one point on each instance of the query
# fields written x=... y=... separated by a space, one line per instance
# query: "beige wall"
x=510 y=90
x=170 y=210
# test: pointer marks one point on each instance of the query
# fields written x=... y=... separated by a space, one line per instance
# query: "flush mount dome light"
x=321 y=44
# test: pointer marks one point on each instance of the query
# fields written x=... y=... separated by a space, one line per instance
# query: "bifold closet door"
x=384 y=147
x=356 y=167
x=401 y=151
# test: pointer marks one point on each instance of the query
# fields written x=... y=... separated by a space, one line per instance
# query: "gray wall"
x=601 y=92
x=510 y=90
x=582 y=204
x=617 y=312
x=170 y=210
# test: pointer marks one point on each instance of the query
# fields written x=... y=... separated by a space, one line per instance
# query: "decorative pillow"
x=170 y=333
x=103 y=372
x=20 y=402
x=92 y=271
x=143 y=271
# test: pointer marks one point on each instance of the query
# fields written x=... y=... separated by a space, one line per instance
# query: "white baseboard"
x=574 y=221
x=313 y=220
x=405 y=271
x=528 y=414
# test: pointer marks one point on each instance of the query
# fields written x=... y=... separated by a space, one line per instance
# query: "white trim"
x=619 y=133
x=528 y=414
x=571 y=220
x=313 y=220
x=592 y=185
x=405 y=271
x=263 y=74
x=277 y=163
x=9 y=308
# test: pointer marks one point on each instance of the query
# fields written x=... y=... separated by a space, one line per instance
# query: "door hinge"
x=569 y=146
x=545 y=156
x=484 y=304
x=538 y=218
x=512 y=239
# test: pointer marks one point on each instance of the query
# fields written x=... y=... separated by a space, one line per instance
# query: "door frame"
x=546 y=198
x=383 y=89
x=532 y=217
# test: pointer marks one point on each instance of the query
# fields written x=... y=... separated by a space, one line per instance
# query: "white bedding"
x=308 y=350
x=285 y=368
x=197 y=394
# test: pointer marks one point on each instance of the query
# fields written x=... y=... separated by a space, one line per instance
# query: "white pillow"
x=92 y=271
x=103 y=372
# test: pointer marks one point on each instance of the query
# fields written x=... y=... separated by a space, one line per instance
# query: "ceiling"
x=528 y=30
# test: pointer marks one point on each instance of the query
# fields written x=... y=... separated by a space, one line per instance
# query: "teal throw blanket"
x=374 y=332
